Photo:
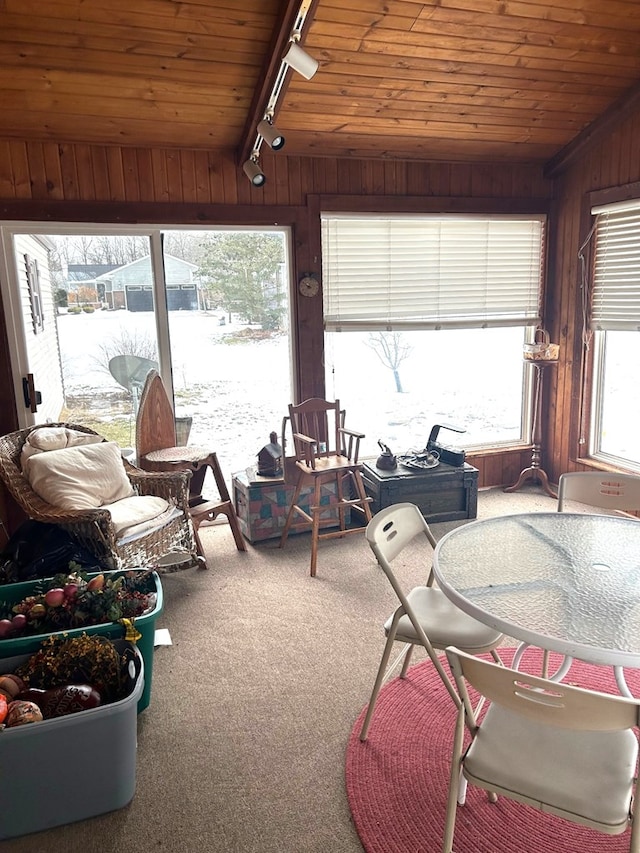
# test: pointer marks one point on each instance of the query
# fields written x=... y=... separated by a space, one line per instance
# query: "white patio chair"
x=564 y=750
x=603 y=489
x=606 y=490
x=424 y=616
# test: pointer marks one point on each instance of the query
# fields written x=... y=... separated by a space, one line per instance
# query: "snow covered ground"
x=236 y=393
x=237 y=390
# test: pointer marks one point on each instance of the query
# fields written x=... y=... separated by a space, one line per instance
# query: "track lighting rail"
x=293 y=57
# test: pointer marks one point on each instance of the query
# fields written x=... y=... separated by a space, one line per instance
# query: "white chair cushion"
x=587 y=774
x=136 y=514
x=443 y=623
x=82 y=477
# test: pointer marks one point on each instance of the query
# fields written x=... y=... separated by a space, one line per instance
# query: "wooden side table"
x=198 y=459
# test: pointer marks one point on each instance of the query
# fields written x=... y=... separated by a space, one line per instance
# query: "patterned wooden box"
x=262 y=507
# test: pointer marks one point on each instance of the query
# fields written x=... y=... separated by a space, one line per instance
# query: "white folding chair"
x=606 y=490
x=564 y=750
x=424 y=616
x=602 y=489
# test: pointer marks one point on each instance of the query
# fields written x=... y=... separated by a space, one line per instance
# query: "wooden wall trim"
x=149 y=213
x=582 y=356
x=610 y=195
x=310 y=316
x=432 y=204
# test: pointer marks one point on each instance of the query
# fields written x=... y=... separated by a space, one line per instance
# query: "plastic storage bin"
x=69 y=768
x=14 y=592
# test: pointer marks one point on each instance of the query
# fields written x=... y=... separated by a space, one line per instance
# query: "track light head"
x=300 y=60
x=253 y=171
x=270 y=134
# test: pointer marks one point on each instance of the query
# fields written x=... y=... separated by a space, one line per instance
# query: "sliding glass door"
x=93 y=310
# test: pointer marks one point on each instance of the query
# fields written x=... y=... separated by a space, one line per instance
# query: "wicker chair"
x=93 y=528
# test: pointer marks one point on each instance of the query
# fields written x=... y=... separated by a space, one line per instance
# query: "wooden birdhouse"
x=270 y=458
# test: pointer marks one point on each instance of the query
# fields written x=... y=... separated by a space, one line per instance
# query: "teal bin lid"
x=12 y=593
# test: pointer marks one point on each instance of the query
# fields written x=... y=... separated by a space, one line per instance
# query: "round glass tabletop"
x=566 y=582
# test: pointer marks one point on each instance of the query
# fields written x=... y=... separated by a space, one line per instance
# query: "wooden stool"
x=197 y=459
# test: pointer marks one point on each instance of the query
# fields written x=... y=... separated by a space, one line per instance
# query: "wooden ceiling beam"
x=281 y=35
x=597 y=130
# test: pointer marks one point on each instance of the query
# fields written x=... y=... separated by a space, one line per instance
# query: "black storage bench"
x=443 y=493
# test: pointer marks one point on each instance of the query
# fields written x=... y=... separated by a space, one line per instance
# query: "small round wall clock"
x=308 y=286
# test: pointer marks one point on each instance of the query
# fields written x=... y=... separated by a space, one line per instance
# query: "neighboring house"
x=86 y=275
x=130 y=286
x=126 y=286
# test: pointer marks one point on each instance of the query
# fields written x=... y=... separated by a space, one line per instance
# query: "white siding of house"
x=42 y=347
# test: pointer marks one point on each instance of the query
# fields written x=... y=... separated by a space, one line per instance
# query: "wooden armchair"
x=94 y=528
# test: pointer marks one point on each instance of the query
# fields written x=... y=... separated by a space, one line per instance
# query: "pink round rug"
x=397 y=780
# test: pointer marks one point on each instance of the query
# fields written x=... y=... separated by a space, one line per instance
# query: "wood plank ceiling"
x=472 y=80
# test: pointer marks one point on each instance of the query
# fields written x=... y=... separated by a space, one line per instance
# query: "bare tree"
x=119 y=249
x=184 y=245
x=99 y=249
x=126 y=342
x=391 y=350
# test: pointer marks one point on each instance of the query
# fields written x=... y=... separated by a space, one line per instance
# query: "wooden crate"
x=444 y=493
x=262 y=507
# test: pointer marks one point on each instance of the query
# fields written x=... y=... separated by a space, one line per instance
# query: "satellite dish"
x=130 y=371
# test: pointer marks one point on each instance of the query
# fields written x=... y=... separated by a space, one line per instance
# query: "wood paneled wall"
x=50 y=182
x=38 y=171
x=611 y=163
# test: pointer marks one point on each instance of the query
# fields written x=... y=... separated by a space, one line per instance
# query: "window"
x=613 y=333
x=425 y=318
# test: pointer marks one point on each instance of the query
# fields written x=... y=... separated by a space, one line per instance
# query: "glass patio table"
x=564 y=582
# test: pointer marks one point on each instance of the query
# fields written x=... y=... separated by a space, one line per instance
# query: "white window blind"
x=615 y=300
x=430 y=272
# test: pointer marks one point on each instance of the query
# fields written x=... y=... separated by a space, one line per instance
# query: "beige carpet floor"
x=241 y=749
